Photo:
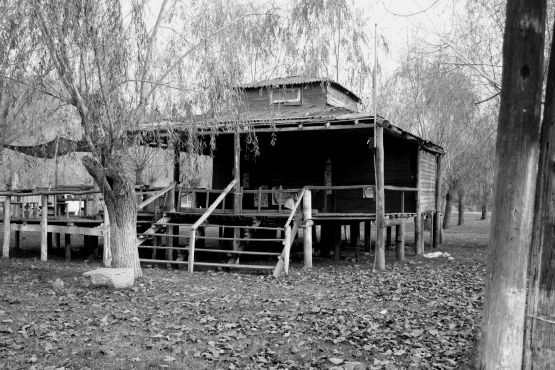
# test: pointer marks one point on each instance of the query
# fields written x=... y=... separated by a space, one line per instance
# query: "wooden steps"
x=214 y=264
x=165 y=229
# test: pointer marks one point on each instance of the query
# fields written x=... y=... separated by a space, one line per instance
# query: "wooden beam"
x=287 y=249
x=237 y=180
x=418 y=239
x=368 y=236
x=70 y=230
x=6 y=244
x=191 y=258
x=67 y=246
x=44 y=229
x=380 y=199
x=437 y=220
x=400 y=241
x=175 y=201
x=307 y=215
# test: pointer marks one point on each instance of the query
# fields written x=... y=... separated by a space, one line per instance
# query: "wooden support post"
x=337 y=241
x=94 y=245
x=437 y=220
x=400 y=234
x=67 y=246
x=400 y=241
x=237 y=176
x=175 y=201
x=380 y=197
x=86 y=245
x=418 y=237
x=287 y=249
x=422 y=235
x=169 y=244
x=44 y=229
x=17 y=238
x=191 y=260
x=432 y=228
x=259 y=199
x=326 y=239
x=307 y=215
x=7 y=212
x=355 y=237
x=49 y=241
x=368 y=236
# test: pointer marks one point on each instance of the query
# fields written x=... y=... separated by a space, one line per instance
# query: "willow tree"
x=121 y=64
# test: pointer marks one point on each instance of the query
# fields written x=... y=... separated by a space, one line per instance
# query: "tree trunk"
x=540 y=325
x=515 y=185
x=461 y=209
x=448 y=209
x=484 y=212
x=118 y=188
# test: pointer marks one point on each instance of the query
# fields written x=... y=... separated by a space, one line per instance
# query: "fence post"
x=191 y=259
x=44 y=229
x=307 y=214
x=287 y=250
x=7 y=211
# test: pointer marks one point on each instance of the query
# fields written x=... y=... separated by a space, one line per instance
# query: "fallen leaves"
x=420 y=314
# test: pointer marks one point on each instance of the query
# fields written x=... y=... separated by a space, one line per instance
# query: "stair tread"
x=212 y=264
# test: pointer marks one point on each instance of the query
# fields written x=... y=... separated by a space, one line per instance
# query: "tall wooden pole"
x=517 y=153
x=437 y=220
x=540 y=321
x=176 y=175
x=379 y=262
x=7 y=212
x=237 y=176
x=307 y=215
x=380 y=200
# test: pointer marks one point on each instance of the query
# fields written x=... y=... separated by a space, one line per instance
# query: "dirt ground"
x=422 y=314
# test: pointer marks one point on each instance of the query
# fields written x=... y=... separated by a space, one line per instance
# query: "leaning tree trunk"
x=448 y=209
x=516 y=156
x=461 y=209
x=118 y=189
x=540 y=324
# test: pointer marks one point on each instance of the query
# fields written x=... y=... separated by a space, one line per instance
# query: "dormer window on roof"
x=285 y=95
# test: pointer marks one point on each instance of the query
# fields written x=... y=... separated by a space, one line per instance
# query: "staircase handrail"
x=295 y=207
x=155 y=196
x=214 y=205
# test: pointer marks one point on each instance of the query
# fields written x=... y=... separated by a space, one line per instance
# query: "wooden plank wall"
x=338 y=99
x=427 y=181
x=311 y=96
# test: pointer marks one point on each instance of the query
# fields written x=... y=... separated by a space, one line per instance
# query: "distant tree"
x=437 y=103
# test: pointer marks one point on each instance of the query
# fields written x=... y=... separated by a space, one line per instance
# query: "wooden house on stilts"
x=317 y=161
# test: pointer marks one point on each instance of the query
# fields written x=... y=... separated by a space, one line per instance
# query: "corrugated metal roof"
x=298 y=80
x=292 y=80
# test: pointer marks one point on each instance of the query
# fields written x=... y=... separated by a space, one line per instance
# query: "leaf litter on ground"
x=420 y=314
